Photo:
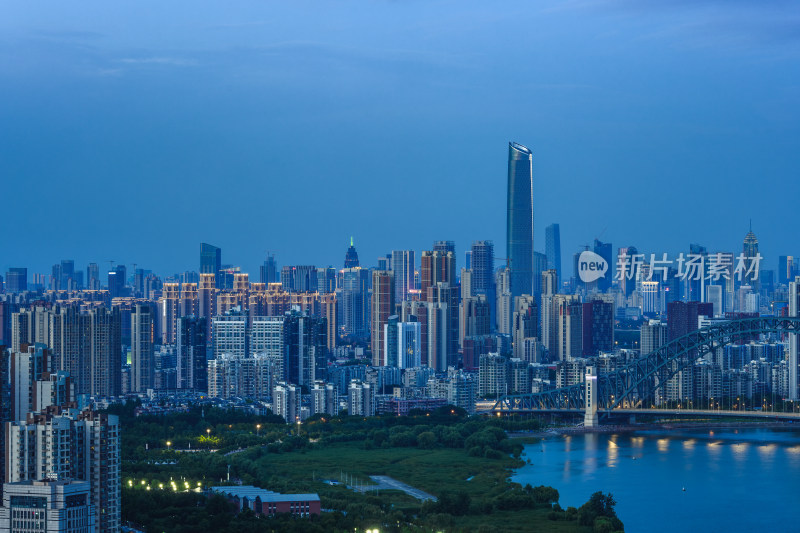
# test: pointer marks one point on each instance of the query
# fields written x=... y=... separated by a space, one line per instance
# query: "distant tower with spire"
x=351 y=257
x=750 y=251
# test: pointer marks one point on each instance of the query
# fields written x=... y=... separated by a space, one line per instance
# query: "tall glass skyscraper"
x=552 y=248
x=211 y=261
x=519 y=228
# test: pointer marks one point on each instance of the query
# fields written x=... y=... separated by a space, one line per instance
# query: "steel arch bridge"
x=633 y=386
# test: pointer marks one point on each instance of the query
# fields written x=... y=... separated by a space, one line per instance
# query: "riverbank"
x=629 y=428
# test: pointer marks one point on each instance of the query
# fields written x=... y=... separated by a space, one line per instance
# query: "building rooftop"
x=251 y=493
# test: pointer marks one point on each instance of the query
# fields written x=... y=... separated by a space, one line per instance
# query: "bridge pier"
x=590 y=419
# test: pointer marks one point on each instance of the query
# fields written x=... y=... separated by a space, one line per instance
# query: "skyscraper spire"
x=351 y=257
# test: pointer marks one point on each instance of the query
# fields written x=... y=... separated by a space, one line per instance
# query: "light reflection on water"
x=735 y=480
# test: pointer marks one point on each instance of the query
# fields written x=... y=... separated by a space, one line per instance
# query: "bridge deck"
x=668 y=412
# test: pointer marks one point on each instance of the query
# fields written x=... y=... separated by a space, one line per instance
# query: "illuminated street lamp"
x=169 y=443
x=258 y=429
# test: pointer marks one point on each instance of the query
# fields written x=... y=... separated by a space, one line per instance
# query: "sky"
x=133 y=131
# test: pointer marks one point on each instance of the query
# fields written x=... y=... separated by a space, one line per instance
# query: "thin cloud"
x=174 y=61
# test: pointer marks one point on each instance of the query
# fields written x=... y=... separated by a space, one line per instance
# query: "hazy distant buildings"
x=519 y=220
x=553 y=249
x=604 y=250
x=268 y=272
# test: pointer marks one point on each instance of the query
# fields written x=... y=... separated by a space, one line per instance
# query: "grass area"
x=465 y=462
x=434 y=471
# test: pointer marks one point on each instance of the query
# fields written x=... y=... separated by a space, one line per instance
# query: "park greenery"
x=465 y=462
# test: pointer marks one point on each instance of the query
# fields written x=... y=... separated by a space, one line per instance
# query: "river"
x=734 y=479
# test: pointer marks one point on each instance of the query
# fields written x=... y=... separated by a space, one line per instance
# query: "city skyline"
x=769 y=261
x=634 y=121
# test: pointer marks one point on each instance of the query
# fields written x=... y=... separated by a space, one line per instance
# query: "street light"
x=258 y=429
x=169 y=443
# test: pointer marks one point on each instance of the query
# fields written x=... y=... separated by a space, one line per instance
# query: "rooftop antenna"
x=351 y=240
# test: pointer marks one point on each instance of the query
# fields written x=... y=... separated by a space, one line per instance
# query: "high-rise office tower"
x=142 y=352
x=794 y=340
x=436 y=267
x=116 y=281
x=403 y=271
x=207 y=302
x=551 y=310
x=384 y=262
x=192 y=371
x=598 y=325
x=93 y=277
x=63 y=276
x=525 y=323
x=750 y=251
x=519 y=220
x=785 y=269
x=570 y=330
x=443 y=325
x=482 y=279
x=549 y=282
x=605 y=250
x=326 y=280
x=390 y=341
x=269 y=270
x=17 y=279
x=105 y=353
x=503 y=303
x=169 y=311
x=351 y=256
x=189 y=304
x=539 y=266
x=383 y=294
x=444 y=247
x=353 y=299
x=304 y=341
x=299 y=278
x=475 y=320
x=627 y=256
x=5 y=409
x=552 y=242
x=211 y=261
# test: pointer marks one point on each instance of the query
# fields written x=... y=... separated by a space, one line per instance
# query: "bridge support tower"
x=590 y=418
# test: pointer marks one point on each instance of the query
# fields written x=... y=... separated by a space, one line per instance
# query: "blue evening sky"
x=133 y=131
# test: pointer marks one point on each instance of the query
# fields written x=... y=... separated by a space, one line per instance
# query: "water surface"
x=734 y=479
